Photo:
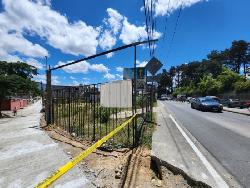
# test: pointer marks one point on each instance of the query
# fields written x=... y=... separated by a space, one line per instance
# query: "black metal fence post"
x=94 y=115
x=48 y=97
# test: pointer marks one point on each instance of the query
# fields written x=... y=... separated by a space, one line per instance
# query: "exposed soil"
x=117 y=168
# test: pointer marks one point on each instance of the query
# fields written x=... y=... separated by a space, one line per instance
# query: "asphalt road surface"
x=225 y=135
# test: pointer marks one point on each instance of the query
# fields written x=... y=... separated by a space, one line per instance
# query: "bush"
x=104 y=115
x=141 y=101
x=242 y=86
x=209 y=86
x=228 y=78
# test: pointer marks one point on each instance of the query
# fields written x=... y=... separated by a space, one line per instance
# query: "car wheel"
x=192 y=106
x=202 y=109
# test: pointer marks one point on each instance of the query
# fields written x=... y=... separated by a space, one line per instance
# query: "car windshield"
x=208 y=100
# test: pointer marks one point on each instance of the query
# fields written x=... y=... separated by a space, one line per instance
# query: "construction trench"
x=121 y=167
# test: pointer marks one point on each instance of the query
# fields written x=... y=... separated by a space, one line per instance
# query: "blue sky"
x=69 y=30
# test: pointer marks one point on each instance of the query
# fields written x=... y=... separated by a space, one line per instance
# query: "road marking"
x=218 y=179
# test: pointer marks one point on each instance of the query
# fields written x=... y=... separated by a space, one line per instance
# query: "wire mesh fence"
x=77 y=110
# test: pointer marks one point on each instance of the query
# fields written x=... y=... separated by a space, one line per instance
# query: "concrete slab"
x=28 y=155
x=169 y=145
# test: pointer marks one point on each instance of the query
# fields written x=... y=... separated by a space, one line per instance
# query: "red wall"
x=11 y=104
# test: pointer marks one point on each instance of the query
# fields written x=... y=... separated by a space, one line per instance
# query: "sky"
x=65 y=31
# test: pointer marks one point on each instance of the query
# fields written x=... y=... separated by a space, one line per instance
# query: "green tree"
x=227 y=79
x=172 y=72
x=242 y=86
x=237 y=56
x=209 y=86
x=15 y=78
x=164 y=81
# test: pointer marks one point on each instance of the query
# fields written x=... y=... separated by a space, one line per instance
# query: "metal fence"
x=77 y=110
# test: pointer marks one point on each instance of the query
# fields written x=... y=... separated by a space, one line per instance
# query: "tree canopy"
x=219 y=72
x=15 y=79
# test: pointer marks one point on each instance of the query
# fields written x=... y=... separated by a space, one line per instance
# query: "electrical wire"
x=166 y=21
x=175 y=29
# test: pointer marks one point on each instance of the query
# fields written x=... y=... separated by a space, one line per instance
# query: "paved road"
x=225 y=135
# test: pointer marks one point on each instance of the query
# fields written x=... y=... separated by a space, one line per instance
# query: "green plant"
x=141 y=101
x=242 y=86
x=104 y=115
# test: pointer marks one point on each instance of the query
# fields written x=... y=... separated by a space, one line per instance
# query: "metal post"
x=152 y=98
x=94 y=116
x=135 y=79
x=135 y=135
x=48 y=97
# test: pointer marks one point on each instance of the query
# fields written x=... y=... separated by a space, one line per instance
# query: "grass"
x=148 y=132
x=82 y=120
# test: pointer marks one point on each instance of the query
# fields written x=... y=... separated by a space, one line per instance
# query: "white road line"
x=218 y=179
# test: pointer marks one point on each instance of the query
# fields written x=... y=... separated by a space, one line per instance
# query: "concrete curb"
x=246 y=114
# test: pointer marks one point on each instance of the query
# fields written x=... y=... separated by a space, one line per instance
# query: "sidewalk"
x=172 y=147
x=28 y=155
x=243 y=111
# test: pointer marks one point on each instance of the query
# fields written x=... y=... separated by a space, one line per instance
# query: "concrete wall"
x=11 y=104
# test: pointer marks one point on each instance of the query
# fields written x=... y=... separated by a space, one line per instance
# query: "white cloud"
x=86 y=83
x=44 y=2
x=83 y=67
x=113 y=25
x=114 y=20
x=141 y=64
x=107 y=40
x=109 y=55
x=72 y=78
x=12 y=43
x=42 y=78
x=73 y=38
x=131 y=33
x=165 y=7
x=99 y=68
x=109 y=76
x=119 y=69
x=9 y=57
x=34 y=63
x=119 y=76
x=76 y=83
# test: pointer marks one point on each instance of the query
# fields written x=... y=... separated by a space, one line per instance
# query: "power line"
x=147 y=20
x=149 y=9
x=175 y=29
x=166 y=21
